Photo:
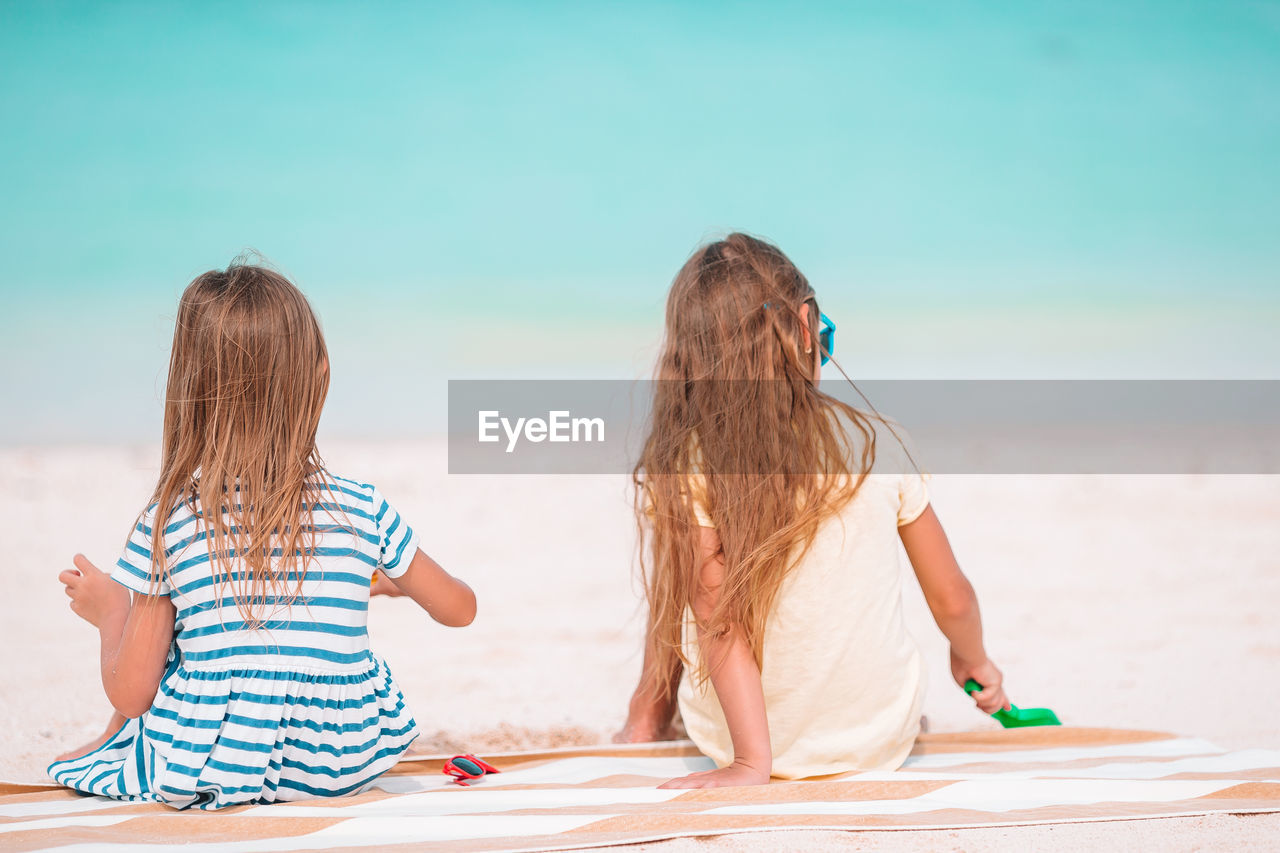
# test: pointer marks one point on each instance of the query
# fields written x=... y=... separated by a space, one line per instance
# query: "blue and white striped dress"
x=299 y=708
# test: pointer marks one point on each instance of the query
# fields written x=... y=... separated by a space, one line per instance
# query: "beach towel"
x=591 y=796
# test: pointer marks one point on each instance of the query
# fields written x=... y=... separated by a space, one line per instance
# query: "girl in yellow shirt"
x=771 y=514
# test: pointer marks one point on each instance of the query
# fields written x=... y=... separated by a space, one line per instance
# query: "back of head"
x=248 y=376
x=733 y=313
x=739 y=424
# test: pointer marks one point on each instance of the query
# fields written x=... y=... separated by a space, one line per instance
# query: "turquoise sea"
x=505 y=189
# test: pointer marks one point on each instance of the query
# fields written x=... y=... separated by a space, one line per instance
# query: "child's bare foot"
x=86 y=748
x=113 y=725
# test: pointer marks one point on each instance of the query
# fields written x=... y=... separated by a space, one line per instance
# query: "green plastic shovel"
x=1015 y=717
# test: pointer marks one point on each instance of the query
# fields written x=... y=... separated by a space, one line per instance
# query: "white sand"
x=1138 y=602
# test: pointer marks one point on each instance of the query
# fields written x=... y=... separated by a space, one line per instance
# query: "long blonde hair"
x=248 y=377
x=737 y=407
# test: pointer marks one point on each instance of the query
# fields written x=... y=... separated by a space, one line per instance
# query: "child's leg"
x=113 y=725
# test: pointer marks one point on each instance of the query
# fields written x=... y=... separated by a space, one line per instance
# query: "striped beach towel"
x=593 y=796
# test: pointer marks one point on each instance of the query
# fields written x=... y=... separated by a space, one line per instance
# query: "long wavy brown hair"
x=248 y=377
x=739 y=426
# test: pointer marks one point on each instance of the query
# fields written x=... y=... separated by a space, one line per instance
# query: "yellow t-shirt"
x=843 y=679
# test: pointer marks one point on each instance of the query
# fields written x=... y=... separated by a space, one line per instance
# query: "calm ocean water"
x=505 y=190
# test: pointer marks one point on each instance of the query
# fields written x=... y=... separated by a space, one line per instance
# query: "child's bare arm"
x=446 y=599
x=653 y=704
x=135 y=635
x=954 y=606
x=736 y=680
x=133 y=661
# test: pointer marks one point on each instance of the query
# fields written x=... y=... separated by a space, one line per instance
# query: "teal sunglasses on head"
x=826 y=337
x=826 y=334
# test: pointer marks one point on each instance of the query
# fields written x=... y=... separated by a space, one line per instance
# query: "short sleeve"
x=696 y=497
x=913 y=496
x=133 y=569
x=896 y=461
x=896 y=454
x=695 y=489
x=397 y=541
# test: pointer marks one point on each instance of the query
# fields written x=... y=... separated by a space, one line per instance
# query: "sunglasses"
x=466 y=768
x=826 y=337
x=826 y=334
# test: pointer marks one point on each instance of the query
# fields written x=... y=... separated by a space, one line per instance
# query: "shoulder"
x=175 y=524
x=353 y=498
x=153 y=531
x=895 y=451
x=347 y=490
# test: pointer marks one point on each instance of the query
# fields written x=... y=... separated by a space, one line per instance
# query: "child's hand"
x=991 y=697
x=94 y=595
x=735 y=774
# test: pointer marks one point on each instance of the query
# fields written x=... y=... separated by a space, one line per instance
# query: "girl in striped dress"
x=233 y=627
